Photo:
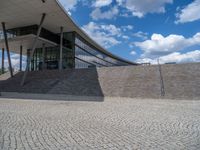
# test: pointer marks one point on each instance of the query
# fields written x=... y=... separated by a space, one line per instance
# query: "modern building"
x=44 y=32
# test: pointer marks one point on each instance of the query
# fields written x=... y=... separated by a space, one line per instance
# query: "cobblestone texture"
x=112 y=124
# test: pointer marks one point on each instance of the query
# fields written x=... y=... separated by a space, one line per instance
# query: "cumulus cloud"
x=189 y=13
x=159 y=45
x=131 y=7
x=133 y=53
x=14 y=61
x=98 y=14
x=69 y=4
x=177 y=57
x=141 y=35
x=125 y=37
x=139 y=8
x=105 y=35
x=102 y=3
x=127 y=27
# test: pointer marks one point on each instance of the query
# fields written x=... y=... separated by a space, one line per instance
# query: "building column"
x=7 y=48
x=27 y=58
x=2 y=63
x=20 y=58
x=61 y=48
x=33 y=48
x=43 y=56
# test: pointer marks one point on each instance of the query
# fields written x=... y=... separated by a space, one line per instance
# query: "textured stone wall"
x=180 y=82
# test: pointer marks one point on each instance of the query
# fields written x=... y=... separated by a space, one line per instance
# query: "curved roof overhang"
x=27 y=43
x=19 y=13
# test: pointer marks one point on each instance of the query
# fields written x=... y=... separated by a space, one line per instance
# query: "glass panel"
x=68 y=58
x=81 y=64
x=52 y=56
x=94 y=55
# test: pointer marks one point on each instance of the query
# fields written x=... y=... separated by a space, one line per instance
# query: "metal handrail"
x=162 y=87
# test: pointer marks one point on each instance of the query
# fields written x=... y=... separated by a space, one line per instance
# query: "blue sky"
x=139 y=30
x=143 y=30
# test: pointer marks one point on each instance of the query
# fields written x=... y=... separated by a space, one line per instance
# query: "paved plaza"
x=112 y=124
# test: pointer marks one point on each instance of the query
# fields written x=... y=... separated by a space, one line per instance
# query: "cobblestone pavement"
x=112 y=124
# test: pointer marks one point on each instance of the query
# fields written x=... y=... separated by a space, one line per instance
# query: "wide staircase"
x=179 y=82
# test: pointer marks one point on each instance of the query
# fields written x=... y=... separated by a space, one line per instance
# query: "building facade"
x=76 y=51
x=44 y=32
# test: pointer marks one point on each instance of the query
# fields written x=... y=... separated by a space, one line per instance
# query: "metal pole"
x=7 y=48
x=43 y=56
x=61 y=48
x=162 y=87
x=27 y=58
x=2 y=63
x=20 y=61
x=33 y=48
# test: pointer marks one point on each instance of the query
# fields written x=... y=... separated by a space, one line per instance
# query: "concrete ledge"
x=62 y=97
x=58 y=97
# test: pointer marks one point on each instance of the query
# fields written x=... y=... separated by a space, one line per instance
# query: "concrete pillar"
x=7 y=48
x=33 y=48
x=43 y=56
x=2 y=63
x=20 y=58
x=28 y=57
x=61 y=48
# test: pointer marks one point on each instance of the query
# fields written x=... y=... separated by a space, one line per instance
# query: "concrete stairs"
x=79 y=82
x=6 y=75
x=180 y=82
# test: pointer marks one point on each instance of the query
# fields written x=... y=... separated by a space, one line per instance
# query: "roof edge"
x=96 y=44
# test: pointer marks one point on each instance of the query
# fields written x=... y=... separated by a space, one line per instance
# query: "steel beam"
x=61 y=48
x=7 y=48
x=20 y=58
x=28 y=57
x=33 y=48
x=2 y=63
x=43 y=56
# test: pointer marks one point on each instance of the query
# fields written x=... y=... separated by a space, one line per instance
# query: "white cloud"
x=105 y=35
x=127 y=27
x=192 y=56
x=98 y=14
x=125 y=37
x=102 y=3
x=69 y=5
x=140 y=34
x=133 y=53
x=111 y=29
x=159 y=45
x=189 y=13
x=139 y=8
x=135 y=7
x=15 y=60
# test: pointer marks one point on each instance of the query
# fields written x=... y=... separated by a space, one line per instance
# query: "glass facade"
x=91 y=55
x=77 y=52
x=33 y=30
x=51 y=59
